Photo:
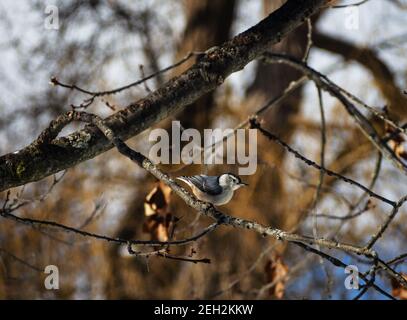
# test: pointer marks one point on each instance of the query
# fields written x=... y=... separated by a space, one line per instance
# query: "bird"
x=217 y=190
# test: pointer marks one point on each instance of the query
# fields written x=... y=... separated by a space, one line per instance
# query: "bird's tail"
x=184 y=179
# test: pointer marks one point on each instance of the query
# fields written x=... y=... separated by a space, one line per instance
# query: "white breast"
x=217 y=200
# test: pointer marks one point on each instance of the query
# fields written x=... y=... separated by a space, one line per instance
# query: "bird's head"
x=230 y=180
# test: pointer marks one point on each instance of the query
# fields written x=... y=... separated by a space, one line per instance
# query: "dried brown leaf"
x=159 y=219
x=398 y=290
x=276 y=272
x=158 y=200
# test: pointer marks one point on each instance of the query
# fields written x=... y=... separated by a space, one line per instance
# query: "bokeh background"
x=102 y=44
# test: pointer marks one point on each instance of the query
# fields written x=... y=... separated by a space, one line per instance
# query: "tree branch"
x=38 y=161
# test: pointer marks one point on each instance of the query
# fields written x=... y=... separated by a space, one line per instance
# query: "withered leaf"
x=398 y=290
x=157 y=201
x=276 y=271
x=159 y=219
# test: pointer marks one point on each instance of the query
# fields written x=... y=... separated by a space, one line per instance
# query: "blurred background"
x=102 y=44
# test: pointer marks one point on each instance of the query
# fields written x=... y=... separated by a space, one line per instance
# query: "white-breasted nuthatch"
x=217 y=190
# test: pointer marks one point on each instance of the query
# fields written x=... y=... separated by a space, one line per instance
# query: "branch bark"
x=38 y=161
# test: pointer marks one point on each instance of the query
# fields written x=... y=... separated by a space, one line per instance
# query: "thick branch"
x=38 y=161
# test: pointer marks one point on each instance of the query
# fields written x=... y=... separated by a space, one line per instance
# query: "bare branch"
x=386 y=224
x=355 y=4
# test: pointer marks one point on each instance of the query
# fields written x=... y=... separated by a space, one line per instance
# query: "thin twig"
x=356 y=4
x=94 y=94
x=338 y=263
x=309 y=40
x=386 y=224
x=321 y=178
x=62 y=227
x=20 y=260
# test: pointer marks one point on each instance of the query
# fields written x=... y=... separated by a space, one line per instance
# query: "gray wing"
x=207 y=184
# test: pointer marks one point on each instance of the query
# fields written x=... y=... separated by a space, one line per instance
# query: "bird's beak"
x=243 y=184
